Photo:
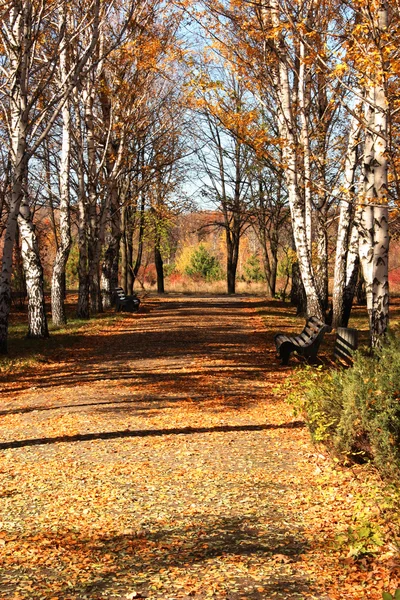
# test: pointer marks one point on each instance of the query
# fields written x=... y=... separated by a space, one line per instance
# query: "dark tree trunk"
x=232 y=253
x=124 y=266
x=298 y=295
x=94 y=274
x=231 y=277
x=159 y=268
x=109 y=270
x=321 y=271
x=129 y=261
x=139 y=254
x=83 y=311
x=361 y=293
x=348 y=295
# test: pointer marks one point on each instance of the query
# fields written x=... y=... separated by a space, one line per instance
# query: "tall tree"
x=30 y=58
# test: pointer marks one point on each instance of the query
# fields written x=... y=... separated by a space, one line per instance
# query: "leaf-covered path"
x=153 y=457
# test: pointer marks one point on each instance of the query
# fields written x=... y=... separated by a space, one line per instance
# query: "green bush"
x=169 y=268
x=252 y=269
x=204 y=265
x=357 y=410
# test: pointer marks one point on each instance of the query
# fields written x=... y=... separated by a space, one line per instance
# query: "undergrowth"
x=355 y=411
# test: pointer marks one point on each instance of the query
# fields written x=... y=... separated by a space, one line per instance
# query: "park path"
x=153 y=457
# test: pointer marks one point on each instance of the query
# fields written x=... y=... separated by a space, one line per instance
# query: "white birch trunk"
x=342 y=277
x=21 y=29
x=37 y=320
x=380 y=314
x=381 y=247
x=83 y=311
x=305 y=142
x=19 y=60
x=374 y=230
x=58 y=278
x=286 y=122
x=93 y=232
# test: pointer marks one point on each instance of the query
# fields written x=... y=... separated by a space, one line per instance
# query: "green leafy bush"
x=362 y=540
x=204 y=265
x=357 y=410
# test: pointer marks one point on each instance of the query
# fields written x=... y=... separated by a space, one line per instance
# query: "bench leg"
x=311 y=357
x=285 y=355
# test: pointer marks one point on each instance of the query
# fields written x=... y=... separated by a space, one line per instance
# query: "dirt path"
x=153 y=459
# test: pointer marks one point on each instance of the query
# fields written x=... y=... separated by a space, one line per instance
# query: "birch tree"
x=58 y=277
x=28 y=68
x=347 y=257
x=374 y=220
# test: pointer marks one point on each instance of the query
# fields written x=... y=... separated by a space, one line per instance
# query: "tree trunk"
x=129 y=252
x=321 y=267
x=83 y=311
x=346 y=263
x=58 y=278
x=268 y=272
x=374 y=220
x=19 y=60
x=8 y=247
x=352 y=270
x=92 y=212
x=37 y=320
x=287 y=128
x=159 y=268
x=124 y=265
x=83 y=291
x=297 y=293
x=305 y=142
x=109 y=271
x=232 y=247
x=374 y=247
x=139 y=254
x=231 y=277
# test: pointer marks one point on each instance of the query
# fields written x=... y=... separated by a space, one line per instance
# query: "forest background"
x=136 y=128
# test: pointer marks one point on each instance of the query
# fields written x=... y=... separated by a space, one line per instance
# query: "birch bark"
x=305 y=142
x=58 y=278
x=18 y=51
x=83 y=311
x=344 y=263
x=28 y=66
x=287 y=129
x=37 y=320
x=374 y=221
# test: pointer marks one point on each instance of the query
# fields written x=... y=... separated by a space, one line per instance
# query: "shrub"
x=357 y=410
x=147 y=275
x=204 y=265
x=169 y=269
x=252 y=269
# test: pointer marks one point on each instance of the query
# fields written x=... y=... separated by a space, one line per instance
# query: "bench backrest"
x=315 y=327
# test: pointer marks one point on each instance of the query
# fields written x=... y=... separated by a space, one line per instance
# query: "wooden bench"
x=306 y=343
x=124 y=302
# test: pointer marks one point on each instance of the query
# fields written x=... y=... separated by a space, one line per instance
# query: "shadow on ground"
x=178 y=558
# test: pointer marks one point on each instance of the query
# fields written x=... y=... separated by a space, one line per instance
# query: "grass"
x=24 y=352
